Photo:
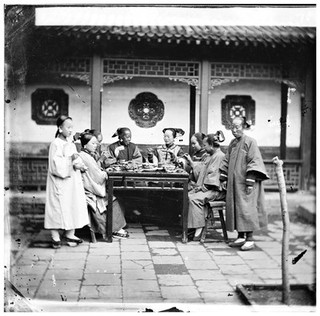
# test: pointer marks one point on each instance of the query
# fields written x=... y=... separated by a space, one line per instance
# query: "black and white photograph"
x=160 y=157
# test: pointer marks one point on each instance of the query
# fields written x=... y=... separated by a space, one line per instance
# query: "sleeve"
x=59 y=165
x=180 y=152
x=212 y=178
x=98 y=175
x=109 y=157
x=255 y=165
x=224 y=166
x=137 y=157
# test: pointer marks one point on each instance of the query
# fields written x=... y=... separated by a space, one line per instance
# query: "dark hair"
x=94 y=132
x=199 y=137
x=174 y=131
x=85 y=138
x=120 y=131
x=60 y=121
x=215 y=139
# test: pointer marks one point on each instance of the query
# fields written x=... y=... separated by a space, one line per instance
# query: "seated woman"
x=122 y=150
x=94 y=182
x=207 y=185
x=170 y=152
x=198 y=152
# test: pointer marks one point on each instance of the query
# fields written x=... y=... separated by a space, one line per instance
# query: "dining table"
x=156 y=179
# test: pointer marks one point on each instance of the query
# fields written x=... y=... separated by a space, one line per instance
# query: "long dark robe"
x=130 y=152
x=244 y=212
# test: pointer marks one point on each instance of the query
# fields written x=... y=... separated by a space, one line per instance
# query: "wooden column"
x=204 y=96
x=192 y=116
x=96 y=92
x=308 y=112
x=283 y=121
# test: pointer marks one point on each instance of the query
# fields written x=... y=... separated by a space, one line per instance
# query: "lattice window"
x=28 y=172
x=117 y=69
x=245 y=71
x=48 y=104
x=291 y=172
x=77 y=68
x=233 y=106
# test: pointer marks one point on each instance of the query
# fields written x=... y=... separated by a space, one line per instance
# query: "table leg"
x=110 y=210
x=185 y=213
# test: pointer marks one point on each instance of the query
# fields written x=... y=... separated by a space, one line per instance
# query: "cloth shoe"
x=121 y=234
x=238 y=242
x=56 y=244
x=75 y=240
x=248 y=245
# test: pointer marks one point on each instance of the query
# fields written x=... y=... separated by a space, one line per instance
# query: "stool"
x=212 y=208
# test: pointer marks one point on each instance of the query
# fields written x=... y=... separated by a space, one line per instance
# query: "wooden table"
x=132 y=180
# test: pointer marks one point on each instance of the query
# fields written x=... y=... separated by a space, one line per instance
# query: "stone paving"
x=154 y=267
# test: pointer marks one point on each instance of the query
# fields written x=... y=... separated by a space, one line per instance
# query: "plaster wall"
x=267 y=96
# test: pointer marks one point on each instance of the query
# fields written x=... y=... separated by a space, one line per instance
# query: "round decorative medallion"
x=146 y=109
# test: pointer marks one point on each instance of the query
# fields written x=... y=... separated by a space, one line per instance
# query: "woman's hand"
x=224 y=185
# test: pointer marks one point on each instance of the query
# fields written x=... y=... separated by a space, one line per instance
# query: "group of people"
x=76 y=183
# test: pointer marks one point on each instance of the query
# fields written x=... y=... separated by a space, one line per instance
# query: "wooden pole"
x=286 y=230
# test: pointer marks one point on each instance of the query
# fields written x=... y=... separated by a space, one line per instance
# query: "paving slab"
x=213 y=286
x=161 y=244
x=201 y=265
x=228 y=260
x=167 y=260
x=164 y=252
x=174 y=280
x=63 y=274
x=194 y=256
x=106 y=293
x=135 y=248
x=137 y=264
x=132 y=286
x=135 y=255
x=140 y=274
x=180 y=293
x=234 y=268
x=206 y=275
x=67 y=264
x=102 y=279
x=221 y=298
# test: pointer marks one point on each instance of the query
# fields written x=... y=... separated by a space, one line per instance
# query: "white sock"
x=55 y=235
x=238 y=240
x=70 y=234
x=198 y=231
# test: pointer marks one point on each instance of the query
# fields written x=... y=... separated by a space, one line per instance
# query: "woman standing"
x=66 y=206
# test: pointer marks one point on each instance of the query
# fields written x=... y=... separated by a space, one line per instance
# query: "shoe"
x=78 y=241
x=238 y=242
x=120 y=235
x=247 y=246
x=198 y=237
x=56 y=244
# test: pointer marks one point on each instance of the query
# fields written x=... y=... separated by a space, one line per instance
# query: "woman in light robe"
x=242 y=173
x=94 y=180
x=66 y=206
x=207 y=183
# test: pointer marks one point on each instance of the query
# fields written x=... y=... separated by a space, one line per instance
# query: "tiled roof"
x=248 y=35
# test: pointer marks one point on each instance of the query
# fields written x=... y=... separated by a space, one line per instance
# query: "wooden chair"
x=214 y=212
